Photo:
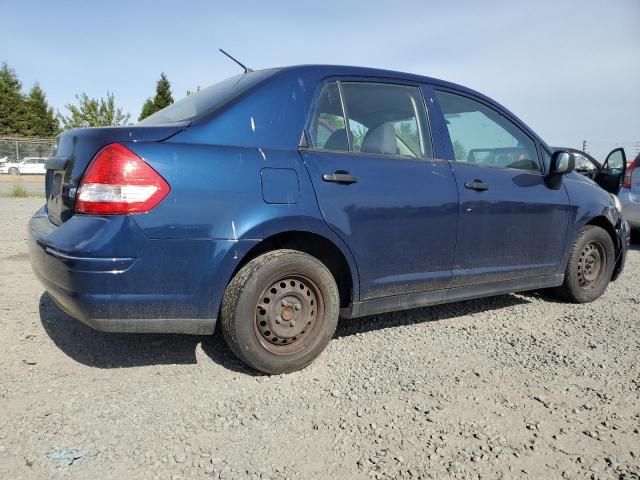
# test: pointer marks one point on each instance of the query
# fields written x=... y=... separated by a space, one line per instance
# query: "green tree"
x=42 y=122
x=459 y=151
x=409 y=134
x=147 y=109
x=13 y=108
x=163 y=98
x=94 y=112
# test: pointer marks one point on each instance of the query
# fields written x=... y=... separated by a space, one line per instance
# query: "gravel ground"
x=517 y=386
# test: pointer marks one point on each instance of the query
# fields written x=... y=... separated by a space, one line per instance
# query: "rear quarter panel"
x=217 y=197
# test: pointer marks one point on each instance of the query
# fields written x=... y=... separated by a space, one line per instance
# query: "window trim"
x=379 y=80
x=345 y=118
x=499 y=111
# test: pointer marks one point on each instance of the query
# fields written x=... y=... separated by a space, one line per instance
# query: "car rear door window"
x=387 y=119
x=482 y=136
x=383 y=119
x=328 y=127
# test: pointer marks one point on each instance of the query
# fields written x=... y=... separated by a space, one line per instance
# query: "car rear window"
x=208 y=99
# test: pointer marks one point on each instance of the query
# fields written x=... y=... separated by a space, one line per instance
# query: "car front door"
x=586 y=166
x=379 y=187
x=511 y=224
x=613 y=169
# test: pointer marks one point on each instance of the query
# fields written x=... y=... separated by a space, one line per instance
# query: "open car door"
x=613 y=169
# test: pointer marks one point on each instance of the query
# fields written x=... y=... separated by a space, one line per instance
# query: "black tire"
x=14 y=171
x=590 y=266
x=280 y=311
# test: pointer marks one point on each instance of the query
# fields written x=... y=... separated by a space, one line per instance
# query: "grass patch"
x=18 y=190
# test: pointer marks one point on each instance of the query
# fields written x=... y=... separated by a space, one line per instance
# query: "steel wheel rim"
x=591 y=265
x=288 y=314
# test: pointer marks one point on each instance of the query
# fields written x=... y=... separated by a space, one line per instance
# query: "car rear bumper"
x=630 y=207
x=104 y=272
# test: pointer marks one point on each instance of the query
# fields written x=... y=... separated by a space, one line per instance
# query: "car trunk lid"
x=75 y=149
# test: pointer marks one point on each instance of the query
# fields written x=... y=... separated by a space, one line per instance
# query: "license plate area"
x=55 y=203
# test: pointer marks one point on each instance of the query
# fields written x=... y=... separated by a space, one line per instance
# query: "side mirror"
x=562 y=162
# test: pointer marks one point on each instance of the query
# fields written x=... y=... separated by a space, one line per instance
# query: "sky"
x=569 y=69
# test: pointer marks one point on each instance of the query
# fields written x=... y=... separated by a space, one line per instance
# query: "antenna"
x=246 y=69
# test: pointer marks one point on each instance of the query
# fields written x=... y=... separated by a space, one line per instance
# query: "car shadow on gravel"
x=353 y=326
x=120 y=350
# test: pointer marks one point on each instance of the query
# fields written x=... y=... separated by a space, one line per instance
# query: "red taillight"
x=118 y=181
x=626 y=183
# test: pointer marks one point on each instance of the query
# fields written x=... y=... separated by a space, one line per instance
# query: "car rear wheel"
x=280 y=311
x=591 y=263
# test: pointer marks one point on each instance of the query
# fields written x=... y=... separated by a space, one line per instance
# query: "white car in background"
x=28 y=166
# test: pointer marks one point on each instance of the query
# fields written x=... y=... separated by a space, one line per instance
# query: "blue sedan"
x=278 y=200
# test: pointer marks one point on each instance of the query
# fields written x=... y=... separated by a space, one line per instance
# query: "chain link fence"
x=16 y=149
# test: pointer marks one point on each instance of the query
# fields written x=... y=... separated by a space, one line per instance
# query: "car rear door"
x=511 y=224
x=372 y=163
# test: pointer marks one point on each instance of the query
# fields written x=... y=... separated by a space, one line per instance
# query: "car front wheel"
x=280 y=311
x=591 y=263
x=14 y=171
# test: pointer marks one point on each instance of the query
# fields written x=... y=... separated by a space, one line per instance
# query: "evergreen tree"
x=94 y=112
x=459 y=151
x=41 y=120
x=147 y=109
x=163 y=98
x=13 y=108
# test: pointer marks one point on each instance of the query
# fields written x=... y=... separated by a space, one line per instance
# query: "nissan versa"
x=279 y=199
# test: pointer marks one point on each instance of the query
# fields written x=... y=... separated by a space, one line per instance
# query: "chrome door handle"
x=339 y=177
x=477 y=185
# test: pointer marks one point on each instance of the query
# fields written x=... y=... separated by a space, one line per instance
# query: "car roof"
x=347 y=70
x=324 y=71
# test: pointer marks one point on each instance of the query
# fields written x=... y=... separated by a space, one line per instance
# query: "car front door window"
x=482 y=136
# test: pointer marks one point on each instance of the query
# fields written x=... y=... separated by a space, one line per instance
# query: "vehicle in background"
x=28 y=166
x=279 y=199
x=4 y=165
x=609 y=175
x=630 y=194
